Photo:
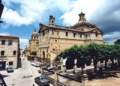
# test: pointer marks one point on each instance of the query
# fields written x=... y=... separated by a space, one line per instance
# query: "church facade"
x=54 y=39
x=32 y=49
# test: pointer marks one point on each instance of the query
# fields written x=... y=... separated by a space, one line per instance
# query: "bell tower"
x=82 y=18
x=51 y=20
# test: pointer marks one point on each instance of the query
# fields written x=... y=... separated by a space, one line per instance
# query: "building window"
x=80 y=35
x=34 y=53
x=96 y=34
x=37 y=43
x=74 y=34
x=43 y=33
x=10 y=63
x=3 y=42
x=86 y=35
x=43 y=54
x=14 y=52
x=10 y=42
x=66 y=34
x=53 y=49
x=2 y=53
x=55 y=40
x=82 y=29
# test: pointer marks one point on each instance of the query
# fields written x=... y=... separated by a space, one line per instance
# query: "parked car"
x=47 y=72
x=52 y=70
x=36 y=64
x=10 y=69
x=42 y=80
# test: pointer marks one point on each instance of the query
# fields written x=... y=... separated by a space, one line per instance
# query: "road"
x=23 y=76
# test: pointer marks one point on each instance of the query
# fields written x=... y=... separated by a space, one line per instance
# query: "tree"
x=71 y=54
x=81 y=59
x=94 y=54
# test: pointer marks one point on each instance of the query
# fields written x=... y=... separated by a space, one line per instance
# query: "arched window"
x=14 y=52
x=66 y=33
x=96 y=34
x=11 y=63
x=43 y=33
x=43 y=54
x=74 y=34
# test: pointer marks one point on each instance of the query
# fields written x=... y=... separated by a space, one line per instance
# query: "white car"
x=10 y=69
x=36 y=64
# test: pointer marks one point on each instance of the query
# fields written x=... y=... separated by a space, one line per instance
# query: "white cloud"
x=8 y=2
x=115 y=15
x=34 y=10
x=5 y=34
x=29 y=12
x=12 y=17
x=88 y=6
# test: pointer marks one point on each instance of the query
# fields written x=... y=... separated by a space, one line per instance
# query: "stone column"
x=75 y=66
x=63 y=61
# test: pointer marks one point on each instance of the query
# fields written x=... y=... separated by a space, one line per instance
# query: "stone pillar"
x=75 y=66
x=63 y=61
x=84 y=80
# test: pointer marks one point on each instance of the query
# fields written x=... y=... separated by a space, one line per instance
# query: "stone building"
x=9 y=51
x=32 y=50
x=54 y=39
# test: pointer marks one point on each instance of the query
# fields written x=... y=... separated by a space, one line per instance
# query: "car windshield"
x=43 y=77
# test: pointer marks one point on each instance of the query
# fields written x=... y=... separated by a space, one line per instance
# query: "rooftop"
x=9 y=37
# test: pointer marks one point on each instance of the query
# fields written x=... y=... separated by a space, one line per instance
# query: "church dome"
x=83 y=23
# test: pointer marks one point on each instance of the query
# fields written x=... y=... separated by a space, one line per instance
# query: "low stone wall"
x=68 y=81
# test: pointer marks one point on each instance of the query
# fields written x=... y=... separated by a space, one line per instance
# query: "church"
x=54 y=39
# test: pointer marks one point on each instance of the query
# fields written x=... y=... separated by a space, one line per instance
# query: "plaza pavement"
x=23 y=76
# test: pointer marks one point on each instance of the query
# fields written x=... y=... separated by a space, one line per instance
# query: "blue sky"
x=21 y=17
